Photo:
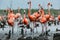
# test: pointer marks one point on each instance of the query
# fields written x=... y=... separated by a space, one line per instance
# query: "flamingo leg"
x=32 y=28
x=36 y=29
x=25 y=31
x=12 y=30
x=45 y=29
x=9 y=34
x=42 y=29
x=22 y=32
x=3 y=28
x=57 y=22
x=46 y=34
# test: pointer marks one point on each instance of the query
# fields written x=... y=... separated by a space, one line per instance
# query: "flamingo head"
x=29 y=2
x=49 y=4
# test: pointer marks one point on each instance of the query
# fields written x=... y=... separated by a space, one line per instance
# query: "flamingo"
x=31 y=17
x=2 y=22
x=10 y=22
x=37 y=15
x=11 y=18
x=58 y=18
x=51 y=18
x=11 y=15
x=25 y=21
x=18 y=15
x=1 y=18
x=42 y=19
x=48 y=16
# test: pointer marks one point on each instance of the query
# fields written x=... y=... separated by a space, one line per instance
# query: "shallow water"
x=17 y=31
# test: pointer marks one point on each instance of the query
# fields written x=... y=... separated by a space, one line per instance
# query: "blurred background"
x=22 y=4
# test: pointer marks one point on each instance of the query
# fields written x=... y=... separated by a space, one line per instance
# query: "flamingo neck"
x=42 y=13
x=49 y=10
x=18 y=11
x=28 y=12
x=29 y=9
x=24 y=16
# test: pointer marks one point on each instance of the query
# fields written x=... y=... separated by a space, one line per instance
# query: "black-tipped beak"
x=29 y=2
x=51 y=5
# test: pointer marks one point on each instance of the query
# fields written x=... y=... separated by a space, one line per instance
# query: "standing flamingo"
x=48 y=16
x=18 y=15
x=11 y=18
x=31 y=17
x=37 y=15
x=25 y=21
x=51 y=18
x=43 y=20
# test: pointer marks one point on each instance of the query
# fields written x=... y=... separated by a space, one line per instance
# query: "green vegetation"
x=53 y=11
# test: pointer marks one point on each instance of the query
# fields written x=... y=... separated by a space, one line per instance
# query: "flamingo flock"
x=38 y=16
